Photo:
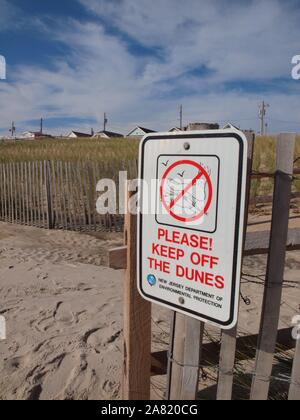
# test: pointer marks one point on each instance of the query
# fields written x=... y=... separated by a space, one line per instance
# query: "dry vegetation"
x=264 y=161
x=117 y=151
x=69 y=150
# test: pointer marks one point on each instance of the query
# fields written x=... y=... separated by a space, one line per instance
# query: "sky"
x=69 y=61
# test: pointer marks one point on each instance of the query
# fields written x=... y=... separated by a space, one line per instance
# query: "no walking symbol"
x=188 y=191
x=191 y=196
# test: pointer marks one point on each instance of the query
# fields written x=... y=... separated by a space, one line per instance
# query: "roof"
x=36 y=133
x=175 y=129
x=108 y=134
x=145 y=130
x=78 y=134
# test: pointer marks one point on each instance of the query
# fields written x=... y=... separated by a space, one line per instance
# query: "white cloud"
x=252 y=41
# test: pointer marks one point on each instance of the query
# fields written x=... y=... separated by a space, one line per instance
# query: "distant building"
x=201 y=126
x=77 y=135
x=107 y=135
x=140 y=132
x=175 y=130
x=33 y=135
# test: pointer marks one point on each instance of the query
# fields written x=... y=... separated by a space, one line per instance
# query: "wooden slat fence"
x=59 y=195
x=62 y=195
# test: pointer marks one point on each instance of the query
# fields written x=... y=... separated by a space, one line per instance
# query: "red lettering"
x=161 y=233
x=157 y=265
x=155 y=248
x=202 y=277
x=220 y=282
x=209 y=280
x=189 y=240
x=167 y=252
x=204 y=260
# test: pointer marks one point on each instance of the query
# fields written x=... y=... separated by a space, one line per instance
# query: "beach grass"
x=120 y=150
x=69 y=150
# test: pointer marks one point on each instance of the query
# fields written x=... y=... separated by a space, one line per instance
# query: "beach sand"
x=63 y=310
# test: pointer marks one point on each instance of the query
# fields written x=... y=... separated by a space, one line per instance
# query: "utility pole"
x=41 y=131
x=12 y=130
x=105 y=122
x=181 y=117
x=262 y=115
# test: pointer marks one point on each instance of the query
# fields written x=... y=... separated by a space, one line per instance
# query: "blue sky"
x=69 y=61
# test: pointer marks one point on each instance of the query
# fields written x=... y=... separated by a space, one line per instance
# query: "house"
x=107 y=135
x=30 y=135
x=140 y=132
x=77 y=135
x=34 y=135
x=175 y=130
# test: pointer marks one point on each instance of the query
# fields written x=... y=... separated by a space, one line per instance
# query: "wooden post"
x=184 y=357
x=1 y=193
x=228 y=342
x=194 y=333
x=30 y=192
x=275 y=269
x=27 y=194
x=11 y=193
x=41 y=193
x=176 y=354
x=294 y=394
x=226 y=365
x=137 y=324
x=48 y=179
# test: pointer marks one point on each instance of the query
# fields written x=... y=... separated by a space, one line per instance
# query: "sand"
x=63 y=317
x=63 y=310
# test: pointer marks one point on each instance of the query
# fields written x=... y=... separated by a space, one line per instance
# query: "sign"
x=191 y=222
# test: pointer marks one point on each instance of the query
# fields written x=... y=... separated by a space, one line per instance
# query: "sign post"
x=191 y=223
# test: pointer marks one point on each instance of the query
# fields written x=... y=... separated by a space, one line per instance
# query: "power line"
x=285 y=122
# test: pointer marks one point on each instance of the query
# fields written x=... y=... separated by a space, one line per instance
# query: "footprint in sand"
x=56 y=319
x=16 y=363
x=98 y=338
x=63 y=314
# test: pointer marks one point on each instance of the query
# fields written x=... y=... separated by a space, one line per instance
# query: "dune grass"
x=69 y=150
x=100 y=149
x=264 y=161
x=123 y=150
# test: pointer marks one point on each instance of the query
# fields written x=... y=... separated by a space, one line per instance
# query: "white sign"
x=190 y=245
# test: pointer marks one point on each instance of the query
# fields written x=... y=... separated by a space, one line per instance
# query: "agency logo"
x=2 y=328
x=296 y=68
x=2 y=68
x=296 y=329
x=151 y=280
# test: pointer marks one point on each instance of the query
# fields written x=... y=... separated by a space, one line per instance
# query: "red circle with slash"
x=201 y=174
